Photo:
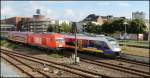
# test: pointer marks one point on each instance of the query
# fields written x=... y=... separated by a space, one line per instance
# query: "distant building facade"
x=36 y=24
x=7 y=27
x=14 y=21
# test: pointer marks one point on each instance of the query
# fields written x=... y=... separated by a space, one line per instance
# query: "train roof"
x=98 y=38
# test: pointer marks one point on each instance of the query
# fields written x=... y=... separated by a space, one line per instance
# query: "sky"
x=73 y=10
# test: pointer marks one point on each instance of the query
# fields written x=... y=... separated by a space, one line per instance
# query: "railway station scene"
x=75 y=39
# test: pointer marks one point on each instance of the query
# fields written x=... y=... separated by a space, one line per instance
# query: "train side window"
x=105 y=46
x=91 y=43
x=98 y=44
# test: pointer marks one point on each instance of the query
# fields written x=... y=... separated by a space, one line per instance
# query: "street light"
x=125 y=23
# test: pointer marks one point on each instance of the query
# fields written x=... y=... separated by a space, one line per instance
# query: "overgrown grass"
x=134 y=42
x=5 y=43
x=135 y=51
x=56 y=54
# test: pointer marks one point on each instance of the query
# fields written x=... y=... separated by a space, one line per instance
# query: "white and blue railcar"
x=102 y=44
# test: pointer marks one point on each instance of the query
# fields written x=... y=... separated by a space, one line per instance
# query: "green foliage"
x=7 y=44
x=59 y=28
x=118 y=25
x=64 y=27
x=108 y=28
x=92 y=28
x=50 y=28
x=137 y=26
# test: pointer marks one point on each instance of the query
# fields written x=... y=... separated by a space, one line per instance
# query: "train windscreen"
x=113 y=42
x=60 y=40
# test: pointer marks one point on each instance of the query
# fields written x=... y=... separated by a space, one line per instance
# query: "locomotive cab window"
x=60 y=40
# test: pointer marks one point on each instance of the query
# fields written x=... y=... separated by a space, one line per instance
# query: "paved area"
x=7 y=71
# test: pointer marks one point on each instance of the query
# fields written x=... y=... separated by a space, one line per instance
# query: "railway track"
x=132 y=62
x=121 y=68
x=117 y=67
x=39 y=74
x=77 y=71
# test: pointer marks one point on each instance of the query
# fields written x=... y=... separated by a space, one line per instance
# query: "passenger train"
x=97 y=44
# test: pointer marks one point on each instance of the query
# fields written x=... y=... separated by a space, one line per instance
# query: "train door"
x=44 y=41
x=85 y=43
x=50 y=41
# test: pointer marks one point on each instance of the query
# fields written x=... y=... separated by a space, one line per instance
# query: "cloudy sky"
x=73 y=10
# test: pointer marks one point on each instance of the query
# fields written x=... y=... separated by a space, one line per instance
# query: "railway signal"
x=76 y=61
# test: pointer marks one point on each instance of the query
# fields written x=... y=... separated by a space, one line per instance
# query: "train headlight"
x=117 y=49
x=60 y=45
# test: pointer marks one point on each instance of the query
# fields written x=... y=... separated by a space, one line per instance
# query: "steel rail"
x=48 y=63
x=133 y=62
x=44 y=74
x=117 y=67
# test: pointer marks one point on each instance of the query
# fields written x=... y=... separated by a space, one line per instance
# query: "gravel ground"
x=8 y=70
x=53 y=71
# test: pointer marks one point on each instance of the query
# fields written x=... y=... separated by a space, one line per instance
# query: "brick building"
x=16 y=21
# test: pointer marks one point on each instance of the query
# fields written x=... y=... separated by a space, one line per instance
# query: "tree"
x=98 y=29
x=91 y=28
x=137 y=26
x=118 y=25
x=108 y=28
x=64 y=27
x=50 y=28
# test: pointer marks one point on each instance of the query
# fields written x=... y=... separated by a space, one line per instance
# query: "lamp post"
x=125 y=23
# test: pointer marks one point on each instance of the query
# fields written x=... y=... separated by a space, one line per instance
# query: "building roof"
x=91 y=17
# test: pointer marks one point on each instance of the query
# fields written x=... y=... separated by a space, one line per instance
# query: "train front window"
x=110 y=39
x=60 y=40
x=113 y=42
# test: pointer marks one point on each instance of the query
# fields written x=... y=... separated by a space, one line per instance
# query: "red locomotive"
x=45 y=40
